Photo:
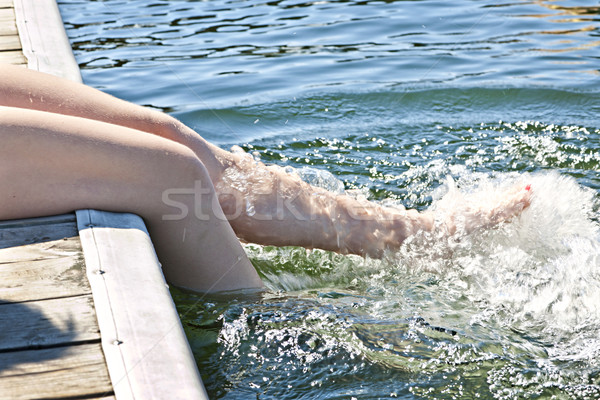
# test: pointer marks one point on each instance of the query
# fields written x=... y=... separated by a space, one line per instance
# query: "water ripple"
x=404 y=102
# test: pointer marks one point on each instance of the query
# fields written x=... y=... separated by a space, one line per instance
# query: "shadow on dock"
x=44 y=335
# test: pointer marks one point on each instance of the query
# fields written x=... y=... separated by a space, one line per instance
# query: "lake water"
x=404 y=102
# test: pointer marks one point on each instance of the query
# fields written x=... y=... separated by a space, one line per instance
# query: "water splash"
x=321 y=178
x=552 y=247
x=522 y=297
x=507 y=312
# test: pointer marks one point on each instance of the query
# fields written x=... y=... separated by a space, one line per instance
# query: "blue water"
x=411 y=102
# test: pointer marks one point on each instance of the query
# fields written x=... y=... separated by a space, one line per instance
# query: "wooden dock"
x=11 y=51
x=84 y=308
x=49 y=336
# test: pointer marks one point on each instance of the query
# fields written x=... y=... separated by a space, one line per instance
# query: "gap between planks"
x=8 y=25
x=75 y=372
x=50 y=340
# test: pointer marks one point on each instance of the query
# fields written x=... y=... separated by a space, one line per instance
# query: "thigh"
x=52 y=164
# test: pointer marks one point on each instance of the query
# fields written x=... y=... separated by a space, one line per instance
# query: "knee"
x=182 y=165
x=188 y=189
x=187 y=172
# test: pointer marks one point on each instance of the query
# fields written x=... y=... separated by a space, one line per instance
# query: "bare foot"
x=381 y=228
x=466 y=215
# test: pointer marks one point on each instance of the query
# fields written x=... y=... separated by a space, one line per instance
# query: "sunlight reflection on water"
x=391 y=98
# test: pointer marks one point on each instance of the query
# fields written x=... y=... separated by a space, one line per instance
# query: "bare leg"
x=52 y=164
x=23 y=88
x=285 y=211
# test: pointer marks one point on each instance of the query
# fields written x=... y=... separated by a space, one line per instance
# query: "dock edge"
x=44 y=39
x=146 y=350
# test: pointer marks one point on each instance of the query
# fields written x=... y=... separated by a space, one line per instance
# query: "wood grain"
x=9 y=42
x=11 y=235
x=13 y=57
x=49 y=335
x=75 y=372
x=8 y=26
x=43 y=271
x=48 y=323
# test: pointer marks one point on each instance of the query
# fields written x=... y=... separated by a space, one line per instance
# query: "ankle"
x=372 y=229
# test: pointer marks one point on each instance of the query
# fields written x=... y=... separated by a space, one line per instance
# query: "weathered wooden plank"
x=48 y=323
x=48 y=220
x=75 y=372
x=7 y=14
x=11 y=236
x=13 y=57
x=6 y=3
x=8 y=25
x=44 y=39
x=153 y=359
x=10 y=42
x=68 y=246
x=43 y=271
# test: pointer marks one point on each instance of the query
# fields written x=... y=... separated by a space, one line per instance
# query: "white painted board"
x=146 y=350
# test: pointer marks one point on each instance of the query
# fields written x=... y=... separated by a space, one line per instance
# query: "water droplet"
x=250 y=211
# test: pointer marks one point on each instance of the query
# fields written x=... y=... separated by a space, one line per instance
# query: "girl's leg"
x=264 y=204
x=53 y=164
x=24 y=88
x=291 y=212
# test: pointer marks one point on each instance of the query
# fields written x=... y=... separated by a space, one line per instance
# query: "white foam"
x=540 y=271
